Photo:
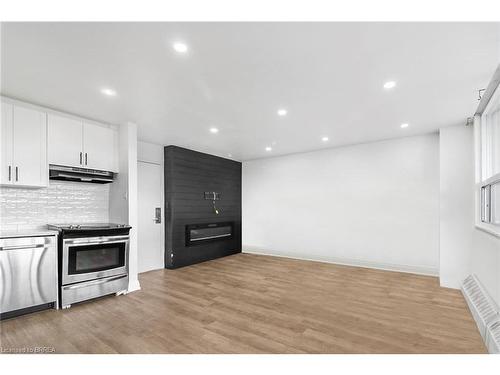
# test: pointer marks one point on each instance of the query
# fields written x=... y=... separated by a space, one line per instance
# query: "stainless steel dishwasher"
x=28 y=275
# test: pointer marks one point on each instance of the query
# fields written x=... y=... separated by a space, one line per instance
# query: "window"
x=487 y=126
x=490 y=138
x=495 y=206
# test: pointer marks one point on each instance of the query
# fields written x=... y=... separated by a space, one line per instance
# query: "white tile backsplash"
x=62 y=202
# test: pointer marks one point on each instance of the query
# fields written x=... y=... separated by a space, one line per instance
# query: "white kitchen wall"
x=374 y=204
x=123 y=195
x=150 y=152
x=464 y=249
x=61 y=202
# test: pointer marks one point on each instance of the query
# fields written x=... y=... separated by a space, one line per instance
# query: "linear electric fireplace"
x=203 y=233
x=202 y=207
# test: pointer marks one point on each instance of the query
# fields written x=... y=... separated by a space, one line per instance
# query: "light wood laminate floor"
x=258 y=304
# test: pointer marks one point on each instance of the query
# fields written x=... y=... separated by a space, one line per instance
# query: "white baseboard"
x=133 y=285
x=419 y=270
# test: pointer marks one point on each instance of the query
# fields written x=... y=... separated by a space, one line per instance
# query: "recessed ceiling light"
x=324 y=139
x=230 y=155
x=282 y=112
x=214 y=130
x=269 y=148
x=180 y=47
x=389 y=85
x=108 y=92
x=405 y=125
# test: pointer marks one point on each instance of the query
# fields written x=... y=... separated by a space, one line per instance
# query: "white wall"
x=456 y=159
x=123 y=194
x=150 y=152
x=373 y=204
x=485 y=261
x=464 y=249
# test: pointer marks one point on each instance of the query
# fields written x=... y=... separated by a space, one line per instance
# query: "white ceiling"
x=329 y=76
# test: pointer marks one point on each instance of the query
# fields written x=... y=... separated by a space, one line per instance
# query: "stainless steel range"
x=93 y=261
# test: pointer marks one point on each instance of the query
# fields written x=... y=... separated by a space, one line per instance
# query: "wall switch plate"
x=212 y=195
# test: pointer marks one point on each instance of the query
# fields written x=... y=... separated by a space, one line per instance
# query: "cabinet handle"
x=10 y=172
x=81 y=160
x=17 y=174
x=85 y=158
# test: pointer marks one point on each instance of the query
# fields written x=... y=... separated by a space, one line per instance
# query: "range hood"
x=61 y=173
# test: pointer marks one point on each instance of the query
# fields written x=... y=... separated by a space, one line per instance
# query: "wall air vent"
x=484 y=311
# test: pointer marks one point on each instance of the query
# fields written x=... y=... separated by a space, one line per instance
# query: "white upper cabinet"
x=65 y=141
x=99 y=147
x=6 y=144
x=24 y=147
x=31 y=139
x=75 y=143
x=30 y=147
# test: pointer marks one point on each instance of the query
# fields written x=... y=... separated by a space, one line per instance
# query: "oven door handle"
x=96 y=282
x=95 y=241
x=76 y=244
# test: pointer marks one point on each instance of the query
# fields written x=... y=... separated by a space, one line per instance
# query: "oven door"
x=94 y=257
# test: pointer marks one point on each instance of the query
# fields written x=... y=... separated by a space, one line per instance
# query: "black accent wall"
x=188 y=175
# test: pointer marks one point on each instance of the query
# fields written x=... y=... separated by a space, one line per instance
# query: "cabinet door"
x=99 y=147
x=6 y=145
x=65 y=141
x=30 y=147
